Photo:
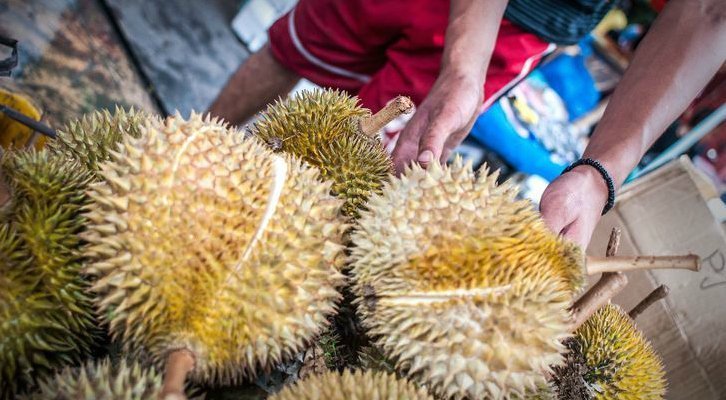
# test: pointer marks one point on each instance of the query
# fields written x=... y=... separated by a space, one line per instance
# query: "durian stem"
x=179 y=364
x=597 y=265
x=599 y=294
x=370 y=126
x=659 y=293
x=606 y=288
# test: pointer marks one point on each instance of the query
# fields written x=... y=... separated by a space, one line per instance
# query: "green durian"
x=614 y=360
x=100 y=380
x=46 y=316
x=90 y=139
x=323 y=128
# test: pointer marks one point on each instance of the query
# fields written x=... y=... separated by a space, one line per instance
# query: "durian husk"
x=46 y=315
x=90 y=139
x=352 y=385
x=621 y=363
x=322 y=128
x=100 y=380
x=461 y=285
x=206 y=241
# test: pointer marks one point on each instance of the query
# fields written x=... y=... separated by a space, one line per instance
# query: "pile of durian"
x=147 y=257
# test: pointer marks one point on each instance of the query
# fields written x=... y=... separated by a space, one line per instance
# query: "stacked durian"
x=352 y=385
x=102 y=379
x=614 y=361
x=46 y=317
x=46 y=314
x=211 y=251
x=219 y=256
x=330 y=131
x=464 y=287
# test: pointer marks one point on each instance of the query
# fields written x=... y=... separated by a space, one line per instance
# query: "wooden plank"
x=71 y=61
x=186 y=48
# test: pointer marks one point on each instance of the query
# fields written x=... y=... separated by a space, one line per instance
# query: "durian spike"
x=610 y=284
x=597 y=265
x=179 y=364
x=657 y=294
x=370 y=126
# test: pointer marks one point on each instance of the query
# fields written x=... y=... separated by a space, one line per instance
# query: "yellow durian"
x=614 y=360
x=328 y=129
x=207 y=243
x=100 y=380
x=461 y=285
x=356 y=385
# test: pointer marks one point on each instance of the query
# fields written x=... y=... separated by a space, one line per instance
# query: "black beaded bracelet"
x=605 y=175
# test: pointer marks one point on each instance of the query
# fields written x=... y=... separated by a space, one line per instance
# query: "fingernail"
x=426 y=156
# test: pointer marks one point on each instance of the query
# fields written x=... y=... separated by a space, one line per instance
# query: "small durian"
x=328 y=129
x=618 y=361
x=355 y=385
x=90 y=139
x=461 y=285
x=46 y=316
x=100 y=380
x=206 y=245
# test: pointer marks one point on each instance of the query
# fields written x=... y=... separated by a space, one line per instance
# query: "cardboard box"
x=674 y=210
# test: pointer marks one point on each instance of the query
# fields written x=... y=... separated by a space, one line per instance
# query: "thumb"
x=577 y=232
x=432 y=142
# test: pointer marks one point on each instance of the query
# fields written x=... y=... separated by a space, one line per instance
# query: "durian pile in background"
x=146 y=256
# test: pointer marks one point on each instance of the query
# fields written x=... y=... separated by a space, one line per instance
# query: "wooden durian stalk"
x=613 y=281
x=370 y=126
x=657 y=294
x=630 y=263
x=179 y=364
x=609 y=285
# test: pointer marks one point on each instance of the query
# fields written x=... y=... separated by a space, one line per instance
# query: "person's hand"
x=572 y=204
x=441 y=122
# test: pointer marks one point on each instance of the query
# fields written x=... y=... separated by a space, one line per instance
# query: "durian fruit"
x=326 y=128
x=356 y=385
x=615 y=359
x=90 y=139
x=211 y=251
x=100 y=380
x=461 y=285
x=46 y=315
x=464 y=287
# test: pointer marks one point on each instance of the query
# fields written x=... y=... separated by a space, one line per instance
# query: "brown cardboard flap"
x=664 y=213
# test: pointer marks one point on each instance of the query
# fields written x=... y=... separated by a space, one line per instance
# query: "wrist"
x=597 y=181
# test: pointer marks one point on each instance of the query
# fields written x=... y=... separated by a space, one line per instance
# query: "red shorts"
x=379 y=49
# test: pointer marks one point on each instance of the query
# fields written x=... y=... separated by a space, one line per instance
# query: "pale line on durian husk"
x=412 y=298
x=280 y=168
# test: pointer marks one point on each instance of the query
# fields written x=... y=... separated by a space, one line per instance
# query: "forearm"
x=682 y=51
x=470 y=37
x=257 y=82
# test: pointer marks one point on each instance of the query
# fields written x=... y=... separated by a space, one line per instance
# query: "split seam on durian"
x=414 y=298
x=280 y=176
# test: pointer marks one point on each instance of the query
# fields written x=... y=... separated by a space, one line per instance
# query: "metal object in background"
x=7 y=64
x=6 y=67
x=27 y=121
